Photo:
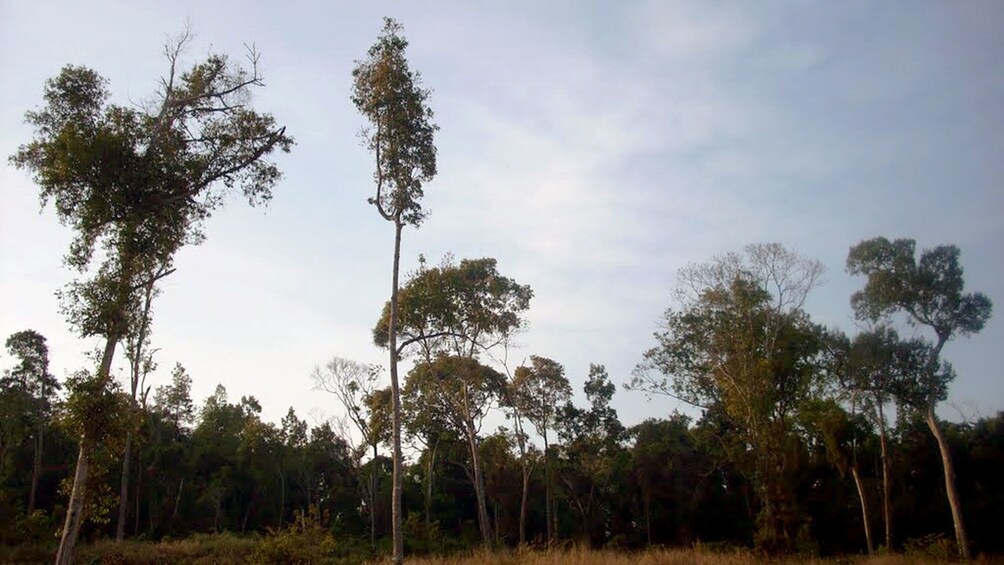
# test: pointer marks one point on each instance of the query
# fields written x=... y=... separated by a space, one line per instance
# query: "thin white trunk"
x=950 y=490
x=396 y=510
x=864 y=509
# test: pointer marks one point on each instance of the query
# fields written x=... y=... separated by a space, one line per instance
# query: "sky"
x=592 y=148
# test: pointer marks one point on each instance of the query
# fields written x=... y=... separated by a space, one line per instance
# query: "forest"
x=803 y=441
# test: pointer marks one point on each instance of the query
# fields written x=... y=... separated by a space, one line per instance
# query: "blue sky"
x=593 y=148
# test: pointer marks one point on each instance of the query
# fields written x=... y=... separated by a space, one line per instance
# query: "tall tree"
x=930 y=291
x=539 y=391
x=389 y=94
x=140 y=356
x=31 y=375
x=876 y=368
x=741 y=340
x=136 y=183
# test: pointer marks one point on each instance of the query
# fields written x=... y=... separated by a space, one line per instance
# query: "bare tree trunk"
x=523 y=502
x=75 y=507
x=124 y=488
x=886 y=481
x=396 y=510
x=550 y=518
x=36 y=467
x=373 y=487
x=430 y=467
x=864 y=509
x=950 y=490
x=521 y=442
x=136 y=493
x=136 y=371
x=177 y=502
x=479 y=488
x=647 y=496
x=282 y=495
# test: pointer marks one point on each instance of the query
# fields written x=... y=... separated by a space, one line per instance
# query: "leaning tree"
x=929 y=291
x=135 y=184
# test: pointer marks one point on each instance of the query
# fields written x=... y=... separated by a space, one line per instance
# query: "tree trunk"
x=282 y=495
x=136 y=493
x=396 y=510
x=523 y=502
x=373 y=486
x=124 y=488
x=75 y=506
x=886 y=481
x=864 y=509
x=950 y=490
x=36 y=467
x=521 y=441
x=647 y=501
x=552 y=521
x=429 y=476
x=177 y=502
x=479 y=488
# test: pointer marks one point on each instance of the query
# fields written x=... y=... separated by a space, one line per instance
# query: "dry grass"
x=582 y=556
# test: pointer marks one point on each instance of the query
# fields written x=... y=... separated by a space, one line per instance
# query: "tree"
x=174 y=401
x=459 y=391
x=539 y=391
x=455 y=310
x=742 y=341
x=137 y=351
x=388 y=93
x=876 y=368
x=461 y=309
x=592 y=453
x=136 y=183
x=930 y=292
x=354 y=384
x=31 y=376
x=839 y=433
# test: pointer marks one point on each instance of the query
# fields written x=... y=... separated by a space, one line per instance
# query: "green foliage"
x=174 y=401
x=539 y=390
x=389 y=94
x=98 y=411
x=928 y=290
x=461 y=308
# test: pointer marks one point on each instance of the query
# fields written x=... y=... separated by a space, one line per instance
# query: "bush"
x=305 y=541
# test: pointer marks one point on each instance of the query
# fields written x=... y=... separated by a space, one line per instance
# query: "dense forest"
x=215 y=465
x=808 y=441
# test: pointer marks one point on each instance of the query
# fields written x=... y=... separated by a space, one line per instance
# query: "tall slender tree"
x=539 y=390
x=389 y=94
x=930 y=291
x=136 y=183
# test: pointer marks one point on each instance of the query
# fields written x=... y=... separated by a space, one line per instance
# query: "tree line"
x=788 y=407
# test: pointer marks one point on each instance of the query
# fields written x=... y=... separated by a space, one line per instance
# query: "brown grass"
x=582 y=556
x=225 y=549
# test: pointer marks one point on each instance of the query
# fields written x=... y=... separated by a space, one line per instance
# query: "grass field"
x=225 y=549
